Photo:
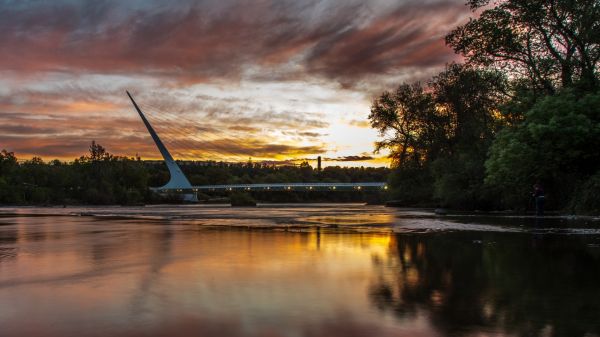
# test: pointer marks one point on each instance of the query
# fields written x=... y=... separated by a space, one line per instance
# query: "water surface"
x=321 y=270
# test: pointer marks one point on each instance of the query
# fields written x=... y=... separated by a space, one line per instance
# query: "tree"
x=404 y=118
x=8 y=165
x=470 y=99
x=7 y=161
x=522 y=108
x=552 y=43
x=432 y=131
x=556 y=144
x=98 y=153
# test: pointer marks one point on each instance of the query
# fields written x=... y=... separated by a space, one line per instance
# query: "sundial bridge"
x=179 y=183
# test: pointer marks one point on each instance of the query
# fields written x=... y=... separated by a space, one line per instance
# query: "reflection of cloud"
x=188 y=325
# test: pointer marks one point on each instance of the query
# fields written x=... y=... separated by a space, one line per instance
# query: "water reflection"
x=81 y=276
x=8 y=238
x=517 y=284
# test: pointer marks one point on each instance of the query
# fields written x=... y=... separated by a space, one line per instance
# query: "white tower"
x=178 y=179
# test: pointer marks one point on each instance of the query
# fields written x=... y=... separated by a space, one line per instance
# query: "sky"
x=220 y=80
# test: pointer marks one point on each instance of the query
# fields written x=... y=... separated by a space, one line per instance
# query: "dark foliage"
x=101 y=178
x=439 y=135
x=519 y=285
x=523 y=109
x=551 y=43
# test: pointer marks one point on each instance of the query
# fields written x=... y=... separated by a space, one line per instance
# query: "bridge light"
x=359 y=187
x=333 y=188
x=310 y=188
x=385 y=187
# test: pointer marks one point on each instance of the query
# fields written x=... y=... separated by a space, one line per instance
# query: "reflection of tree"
x=8 y=239
x=512 y=283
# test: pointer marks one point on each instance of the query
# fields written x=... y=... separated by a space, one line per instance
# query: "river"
x=295 y=270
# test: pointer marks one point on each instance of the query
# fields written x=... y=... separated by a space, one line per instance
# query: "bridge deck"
x=370 y=186
x=180 y=184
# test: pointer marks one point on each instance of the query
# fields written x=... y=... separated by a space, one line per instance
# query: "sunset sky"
x=220 y=80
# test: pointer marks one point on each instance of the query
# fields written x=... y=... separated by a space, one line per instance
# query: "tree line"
x=523 y=108
x=100 y=178
x=96 y=178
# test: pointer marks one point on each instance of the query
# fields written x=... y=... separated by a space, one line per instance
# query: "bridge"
x=178 y=183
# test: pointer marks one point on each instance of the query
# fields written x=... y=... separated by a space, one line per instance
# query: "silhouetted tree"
x=552 y=43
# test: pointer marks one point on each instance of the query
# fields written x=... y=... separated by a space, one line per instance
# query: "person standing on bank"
x=538 y=196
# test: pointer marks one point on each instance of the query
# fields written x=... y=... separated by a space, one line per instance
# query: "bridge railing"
x=367 y=186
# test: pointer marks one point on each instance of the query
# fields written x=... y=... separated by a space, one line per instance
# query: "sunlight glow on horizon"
x=218 y=82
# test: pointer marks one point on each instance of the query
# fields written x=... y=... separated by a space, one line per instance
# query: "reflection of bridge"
x=180 y=184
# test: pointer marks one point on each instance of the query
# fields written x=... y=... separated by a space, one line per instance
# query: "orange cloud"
x=48 y=51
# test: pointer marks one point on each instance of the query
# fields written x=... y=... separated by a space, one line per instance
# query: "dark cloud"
x=410 y=36
x=73 y=146
x=243 y=116
x=344 y=40
x=227 y=147
x=310 y=134
x=66 y=64
x=52 y=123
x=361 y=123
x=303 y=134
x=20 y=129
x=351 y=158
x=244 y=128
